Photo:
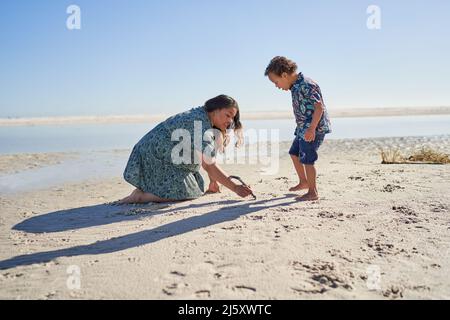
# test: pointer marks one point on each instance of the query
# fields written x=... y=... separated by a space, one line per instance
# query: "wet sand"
x=15 y=163
x=284 y=114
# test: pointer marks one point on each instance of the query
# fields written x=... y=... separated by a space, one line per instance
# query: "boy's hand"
x=310 y=135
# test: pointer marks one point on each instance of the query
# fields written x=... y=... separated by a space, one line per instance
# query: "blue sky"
x=155 y=56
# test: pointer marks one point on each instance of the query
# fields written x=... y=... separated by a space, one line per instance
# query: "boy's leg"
x=300 y=169
x=308 y=156
x=312 y=188
x=294 y=152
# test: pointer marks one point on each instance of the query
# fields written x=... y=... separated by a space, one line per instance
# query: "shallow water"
x=90 y=140
x=96 y=165
x=89 y=137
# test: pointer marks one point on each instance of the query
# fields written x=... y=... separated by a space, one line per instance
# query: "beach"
x=98 y=93
x=378 y=232
x=279 y=114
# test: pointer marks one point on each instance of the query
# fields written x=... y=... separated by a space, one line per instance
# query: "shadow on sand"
x=105 y=214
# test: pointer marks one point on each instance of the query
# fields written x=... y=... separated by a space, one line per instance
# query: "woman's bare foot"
x=139 y=196
x=299 y=187
x=213 y=188
x=310 y=196
x=132 y=198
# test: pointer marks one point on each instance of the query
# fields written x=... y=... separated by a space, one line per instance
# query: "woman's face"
x=223 y=118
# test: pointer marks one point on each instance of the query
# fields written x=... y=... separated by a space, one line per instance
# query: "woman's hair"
x=279 y=65
x=223 y=101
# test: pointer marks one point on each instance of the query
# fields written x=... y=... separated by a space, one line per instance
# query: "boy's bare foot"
x=308 y=197
x=213 y=188
x=299 y=187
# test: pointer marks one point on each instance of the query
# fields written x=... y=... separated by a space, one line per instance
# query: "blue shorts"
x=306 y=151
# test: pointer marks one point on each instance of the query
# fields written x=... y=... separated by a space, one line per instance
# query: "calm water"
x=32 y=139
x=90 y=140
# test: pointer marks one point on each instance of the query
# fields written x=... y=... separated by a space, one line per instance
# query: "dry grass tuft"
x=391 y=156
x=424 y=156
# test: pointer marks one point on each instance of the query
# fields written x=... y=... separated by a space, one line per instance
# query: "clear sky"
x=165 y=56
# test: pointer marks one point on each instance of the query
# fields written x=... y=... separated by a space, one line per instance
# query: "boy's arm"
x=310 y=133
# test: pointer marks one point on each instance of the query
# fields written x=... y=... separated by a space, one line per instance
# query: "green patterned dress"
x=151 y=166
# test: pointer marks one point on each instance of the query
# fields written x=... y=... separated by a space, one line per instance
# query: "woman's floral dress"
x=152 y=166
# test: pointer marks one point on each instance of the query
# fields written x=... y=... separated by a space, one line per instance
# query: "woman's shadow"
x=104 y=214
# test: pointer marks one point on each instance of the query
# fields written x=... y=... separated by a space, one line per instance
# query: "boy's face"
x=282 y=82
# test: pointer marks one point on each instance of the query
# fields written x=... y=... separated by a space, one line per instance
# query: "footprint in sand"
x=384 y=249
x=342 y=255
x=172 y=288
x=255 y=217
x=393 y=292
x=391 y=188
x=232 y=227
x=404 y=210
x=309 y=291
x=407 y=215
x=324 y=276
x=289 y=227
x=439 y=207
x=11 y=276
x=174 y=282
x=203 y=294
x=177 y=273
x=50 y=295
x=356 y=178
x=93 y=262
x=285 y=209
x=330 y=215
x=331 y=281
x=244 y=289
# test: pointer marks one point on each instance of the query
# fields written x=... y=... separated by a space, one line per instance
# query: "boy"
x=311 y=117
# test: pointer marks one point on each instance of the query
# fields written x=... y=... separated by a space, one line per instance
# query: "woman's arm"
x=217 y=174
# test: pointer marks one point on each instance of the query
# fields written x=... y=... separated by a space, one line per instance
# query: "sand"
x=378 y=232
x=286 y=114
x=15 y=163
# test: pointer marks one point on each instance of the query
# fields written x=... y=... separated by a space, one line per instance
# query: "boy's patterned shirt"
x=305 y=93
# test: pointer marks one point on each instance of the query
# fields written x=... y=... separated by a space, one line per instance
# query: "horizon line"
x=257 y=115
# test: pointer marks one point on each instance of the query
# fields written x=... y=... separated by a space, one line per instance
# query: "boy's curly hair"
x=279 y=64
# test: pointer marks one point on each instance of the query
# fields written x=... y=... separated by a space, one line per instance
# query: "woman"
x=161 y=173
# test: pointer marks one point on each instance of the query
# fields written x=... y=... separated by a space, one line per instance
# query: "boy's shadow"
x=144 y=237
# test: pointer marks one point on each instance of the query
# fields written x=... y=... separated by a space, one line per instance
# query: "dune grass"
x=424 y=156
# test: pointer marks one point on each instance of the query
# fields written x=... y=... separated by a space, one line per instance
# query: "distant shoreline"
x=342 y=113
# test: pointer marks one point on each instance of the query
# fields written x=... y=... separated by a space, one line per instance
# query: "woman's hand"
x=242 y=191
x=215 y=173
x=213 y=187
